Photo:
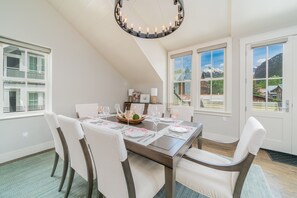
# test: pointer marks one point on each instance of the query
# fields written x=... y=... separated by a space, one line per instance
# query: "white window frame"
x=47 y=78
x=195 y=82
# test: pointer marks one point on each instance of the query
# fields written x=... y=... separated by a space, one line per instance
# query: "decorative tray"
x=131 y=121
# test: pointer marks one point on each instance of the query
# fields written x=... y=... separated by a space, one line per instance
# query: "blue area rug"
x=30 y=178
x=282 y=157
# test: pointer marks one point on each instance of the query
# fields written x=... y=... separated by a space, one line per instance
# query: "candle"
x=176 y=21
x=163 y=30
x=120 y=16
x=154 y=91
x=139 y=30
x=132 y=27
x=125 y=23
x=170 y=26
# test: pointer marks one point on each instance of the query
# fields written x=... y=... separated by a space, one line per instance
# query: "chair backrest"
x=85 y=110
x=152 y=107
x=251 y=139
x=137 y=108
x=51 y=119
x=186 y=113
x=73 y=134
x=109 y=151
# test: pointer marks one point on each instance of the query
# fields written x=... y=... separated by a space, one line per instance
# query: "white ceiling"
x=205 y=20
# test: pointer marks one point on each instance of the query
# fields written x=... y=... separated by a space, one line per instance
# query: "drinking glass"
x=100 y=110
x=156 y=115
x=174 y=115
x=128 y=115
x=118 y=109
x=106 y=111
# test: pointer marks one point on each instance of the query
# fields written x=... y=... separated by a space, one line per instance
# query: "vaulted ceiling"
x=205 y=20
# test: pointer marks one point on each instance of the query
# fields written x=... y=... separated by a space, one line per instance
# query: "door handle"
x=287 y=107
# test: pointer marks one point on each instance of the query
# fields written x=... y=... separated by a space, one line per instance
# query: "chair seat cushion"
x=204 y=180
x=148 y=176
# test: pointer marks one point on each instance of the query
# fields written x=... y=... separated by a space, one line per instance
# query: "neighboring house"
x=23 y=80
x=275 y=92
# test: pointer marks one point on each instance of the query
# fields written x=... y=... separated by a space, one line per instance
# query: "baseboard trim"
x=6 y=157
x=218 y=137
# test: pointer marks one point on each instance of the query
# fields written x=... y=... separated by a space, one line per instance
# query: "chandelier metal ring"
x=166 y=30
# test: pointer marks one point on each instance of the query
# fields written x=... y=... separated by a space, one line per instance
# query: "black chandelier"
x=166 y=30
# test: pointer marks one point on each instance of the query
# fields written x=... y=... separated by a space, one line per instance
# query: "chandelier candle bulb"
x=131 y=27
x=125 y=23
x=166 y=30
x=120 y=16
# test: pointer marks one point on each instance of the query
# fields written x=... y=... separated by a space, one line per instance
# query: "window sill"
x=11 y=117
x=214 y=113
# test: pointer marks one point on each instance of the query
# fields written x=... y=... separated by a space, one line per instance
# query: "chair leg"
x=90 y=188
x=65 y=168
x=55 y=164
x=199 y=142
x=71 y=175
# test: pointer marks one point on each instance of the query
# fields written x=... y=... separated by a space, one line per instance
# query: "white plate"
x=178 y=129
x=136 y=132
x=166 y=120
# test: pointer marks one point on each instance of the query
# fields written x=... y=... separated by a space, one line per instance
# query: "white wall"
x=80 y=74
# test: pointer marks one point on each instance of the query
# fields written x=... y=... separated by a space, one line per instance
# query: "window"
x=268 y=77
x=182 y=69
x=212 y=79
x=198 y=77
x=24 y=78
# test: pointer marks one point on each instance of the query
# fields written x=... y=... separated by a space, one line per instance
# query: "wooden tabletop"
x=166 y=149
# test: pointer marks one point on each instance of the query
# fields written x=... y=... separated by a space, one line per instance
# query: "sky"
x=217 y=59
x=259 y=55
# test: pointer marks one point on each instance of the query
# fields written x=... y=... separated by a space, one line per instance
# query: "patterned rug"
x=30 y=177
x=282 y=157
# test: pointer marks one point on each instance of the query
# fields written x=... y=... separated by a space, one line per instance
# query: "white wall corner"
x=5 y=157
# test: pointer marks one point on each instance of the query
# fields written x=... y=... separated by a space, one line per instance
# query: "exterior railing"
x=36 y=107
x=13 y=109
x=35 y=75
x=181 y=100
x=12 y=72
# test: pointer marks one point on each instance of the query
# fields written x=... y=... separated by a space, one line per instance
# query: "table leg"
x=170 y=182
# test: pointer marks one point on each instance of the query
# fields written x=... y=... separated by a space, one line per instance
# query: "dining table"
x=166 y=150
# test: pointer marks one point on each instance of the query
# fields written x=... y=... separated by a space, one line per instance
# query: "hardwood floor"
x=282 y=178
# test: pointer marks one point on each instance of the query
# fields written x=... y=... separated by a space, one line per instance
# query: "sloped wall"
x=79 y=73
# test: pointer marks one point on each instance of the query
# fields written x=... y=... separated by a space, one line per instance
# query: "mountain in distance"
x=216 y=73
x=274 y=67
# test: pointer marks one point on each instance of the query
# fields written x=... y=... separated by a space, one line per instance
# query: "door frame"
x=258 y=38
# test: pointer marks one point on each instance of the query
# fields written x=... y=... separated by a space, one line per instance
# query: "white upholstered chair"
x=152 y=107
x=215 y=176
x=60 y=145
x=137 y=108
x=85 y=110
x=185 y=113
x=80 y=158
x=120 y=175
